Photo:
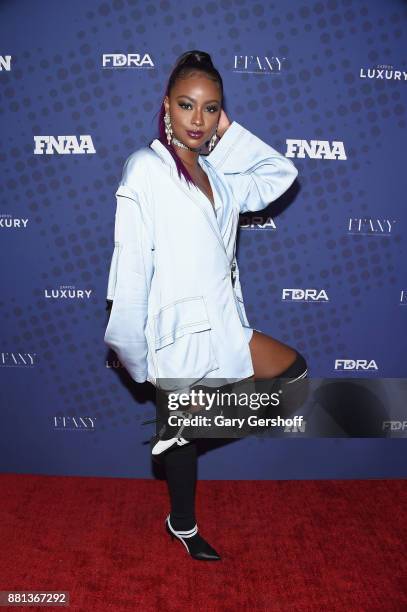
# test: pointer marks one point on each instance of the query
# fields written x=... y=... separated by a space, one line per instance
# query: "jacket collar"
x=196 y=194
x=166 y=156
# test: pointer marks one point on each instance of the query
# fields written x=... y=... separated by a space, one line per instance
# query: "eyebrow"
x=193 y=99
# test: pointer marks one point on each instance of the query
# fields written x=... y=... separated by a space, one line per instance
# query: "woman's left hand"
x=223 y=123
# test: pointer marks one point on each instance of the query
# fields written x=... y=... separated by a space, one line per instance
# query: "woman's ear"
x=167 y=104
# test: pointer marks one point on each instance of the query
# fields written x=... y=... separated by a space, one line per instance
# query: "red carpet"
x=285 y=545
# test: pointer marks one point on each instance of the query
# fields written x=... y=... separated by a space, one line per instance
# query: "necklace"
x=180 y=144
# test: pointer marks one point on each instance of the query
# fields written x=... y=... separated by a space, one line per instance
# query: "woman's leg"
x=270 y=357
x=181 y=471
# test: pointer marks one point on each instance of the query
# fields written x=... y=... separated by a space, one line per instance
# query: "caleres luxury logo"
x=257 y=64
x=355 y=364
x=250 y=222
x=315 y=149
x=67 y=292
x=127 y=60
x=74 y=423
x=63 y=145
x=7 y=221
x=384 y=72
x=370 y=227
x=304 y=295
x=5 y=62
x=17 y=360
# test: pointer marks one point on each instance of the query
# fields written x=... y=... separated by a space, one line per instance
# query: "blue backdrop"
x=322 y=269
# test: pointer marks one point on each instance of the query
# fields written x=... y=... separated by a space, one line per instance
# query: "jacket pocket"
x=184 y=348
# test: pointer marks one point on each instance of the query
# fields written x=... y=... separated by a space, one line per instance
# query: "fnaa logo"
x=63 y=145
x=304 y=295
x=248 y=222
x=126 y=60
x=355 y=364
x=5 y=63
x=315 y=149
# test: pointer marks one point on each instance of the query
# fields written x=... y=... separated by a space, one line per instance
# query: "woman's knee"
x=297 y=370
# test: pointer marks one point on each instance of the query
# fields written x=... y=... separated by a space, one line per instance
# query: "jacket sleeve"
x=256 y=173
x=129 y=282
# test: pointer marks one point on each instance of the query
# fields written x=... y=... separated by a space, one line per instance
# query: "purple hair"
x=186 y=63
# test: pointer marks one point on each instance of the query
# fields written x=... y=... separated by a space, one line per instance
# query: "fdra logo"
x=127 y=60
x=5 y=63
x=63 y=145
x=74 y=423
x=256 y=64
x=366 y=226
x=355 y=364
x=315 y=149
x=398 y=426
x=304 y=295
x=247 y=222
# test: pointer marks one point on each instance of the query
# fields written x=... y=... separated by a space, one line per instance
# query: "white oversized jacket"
x=176 y=314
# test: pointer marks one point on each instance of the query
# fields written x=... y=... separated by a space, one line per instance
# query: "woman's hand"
x=223 y=123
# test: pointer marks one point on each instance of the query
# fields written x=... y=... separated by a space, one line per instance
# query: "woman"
x=178 y=314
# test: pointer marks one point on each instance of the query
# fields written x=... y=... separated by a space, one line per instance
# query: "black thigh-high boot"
x=181 y=471
x=292 y=384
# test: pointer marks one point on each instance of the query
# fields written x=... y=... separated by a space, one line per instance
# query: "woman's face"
x=194 y=106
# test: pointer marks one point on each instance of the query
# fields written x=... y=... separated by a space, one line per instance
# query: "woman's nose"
x=197 y=118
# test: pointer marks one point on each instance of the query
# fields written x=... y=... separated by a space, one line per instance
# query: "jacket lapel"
x=199 y=199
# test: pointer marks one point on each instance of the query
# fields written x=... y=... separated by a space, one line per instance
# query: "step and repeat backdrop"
x=323 y=269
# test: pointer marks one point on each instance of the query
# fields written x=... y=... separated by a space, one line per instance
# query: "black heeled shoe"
x=196 y=546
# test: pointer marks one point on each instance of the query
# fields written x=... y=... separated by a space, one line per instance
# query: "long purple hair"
x=185 y=64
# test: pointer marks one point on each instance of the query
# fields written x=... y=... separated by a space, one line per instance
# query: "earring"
x=212 y=142
x=168 y=127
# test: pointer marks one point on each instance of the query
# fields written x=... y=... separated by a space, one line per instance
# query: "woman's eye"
x=211 y=109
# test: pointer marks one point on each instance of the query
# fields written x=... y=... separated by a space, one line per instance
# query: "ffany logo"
x=70 y=423
x=67 y=292
x=315 y=149
x=247 y=222
x=17 y=360
x=304 y=295
x=126 y=60
x=9 y=222
x=355 y=364
x=370 y=227
x=63 y=145
x=5 y=62
x=258 y=65
x=383 y=72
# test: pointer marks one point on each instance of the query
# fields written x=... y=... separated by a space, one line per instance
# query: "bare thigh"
x=269 y=356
